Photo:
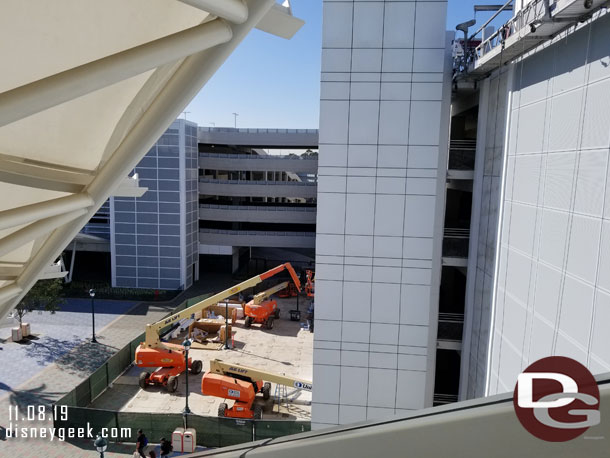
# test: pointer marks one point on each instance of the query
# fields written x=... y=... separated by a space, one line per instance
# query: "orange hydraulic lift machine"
x=168 y=358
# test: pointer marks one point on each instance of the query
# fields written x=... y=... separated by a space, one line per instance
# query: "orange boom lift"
x=241 y=384
x=263 y=311
x=167 y=358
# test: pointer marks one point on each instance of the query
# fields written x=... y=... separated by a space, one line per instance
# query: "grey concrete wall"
x=262 y=138
x=253 y=214
x=257 y=163
x=257 y=188
x=257 y=238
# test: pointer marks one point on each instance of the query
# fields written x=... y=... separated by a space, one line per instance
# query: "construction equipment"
x=310 y=285
x=168 y=358
x=242 y=384
x=290 y=291
x=263 y=311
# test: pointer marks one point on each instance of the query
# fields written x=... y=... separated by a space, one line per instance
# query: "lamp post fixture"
x=100 y=445
x=92 y=294
x=187 y=346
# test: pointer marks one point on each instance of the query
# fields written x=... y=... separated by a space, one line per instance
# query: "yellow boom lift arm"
x=152 y=337
x=218 y=366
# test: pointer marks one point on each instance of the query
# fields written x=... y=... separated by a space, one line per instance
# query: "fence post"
x=107 y=373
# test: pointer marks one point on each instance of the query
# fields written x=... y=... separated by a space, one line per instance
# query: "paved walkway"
x=53 y=336
x=72 y=367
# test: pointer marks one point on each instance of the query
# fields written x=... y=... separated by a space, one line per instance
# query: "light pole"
x=100 y=445
x=187 y=345
x=235 y=115
x=92 y=294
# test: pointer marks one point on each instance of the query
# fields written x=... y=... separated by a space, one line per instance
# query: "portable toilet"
x=178 y=440
x=189 y=440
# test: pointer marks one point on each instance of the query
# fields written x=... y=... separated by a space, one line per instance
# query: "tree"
x=44 y=295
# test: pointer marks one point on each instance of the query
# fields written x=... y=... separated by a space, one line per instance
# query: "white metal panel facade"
x=380 y=202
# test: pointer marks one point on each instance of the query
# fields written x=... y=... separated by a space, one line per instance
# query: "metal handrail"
x=256 y=208
x=490 y=19
x=257 y=157
x=257 y=130
x=530 y=13
x=249 y=182
x=451 y=317
x=257 y=233
x=456 y=233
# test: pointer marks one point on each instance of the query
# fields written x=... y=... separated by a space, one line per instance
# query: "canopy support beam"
x=186 y=82
x=28 y=213
x=40 y=95
x=232 y=10
x=9 y=292
x=29 y=233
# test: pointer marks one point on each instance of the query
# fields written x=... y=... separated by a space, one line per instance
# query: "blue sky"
x=272 y=82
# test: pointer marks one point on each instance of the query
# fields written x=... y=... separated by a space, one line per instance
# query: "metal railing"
x=257 y=208
x=257 y=182
x=442 y=399
x=450 y=326
x=257 y=130
x=257 y=233
x=259 y=157
x=455 y=242
x=530 y=13
x=457 y=232
x=462 y=154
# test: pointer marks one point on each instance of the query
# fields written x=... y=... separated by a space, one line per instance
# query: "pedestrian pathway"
x=53 y=336
x=70 y=368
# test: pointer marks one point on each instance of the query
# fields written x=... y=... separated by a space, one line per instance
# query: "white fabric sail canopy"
x=86 y=89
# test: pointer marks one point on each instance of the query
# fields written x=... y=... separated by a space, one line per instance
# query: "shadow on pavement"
x=32 y=397
x=86 y=357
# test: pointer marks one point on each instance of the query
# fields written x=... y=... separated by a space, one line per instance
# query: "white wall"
x=552 y=293
x=489 y=167
x=380 y=203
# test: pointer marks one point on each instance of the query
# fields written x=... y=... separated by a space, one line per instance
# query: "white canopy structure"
x=86 y=89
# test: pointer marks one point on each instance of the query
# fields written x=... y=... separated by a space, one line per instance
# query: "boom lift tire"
x=196 y=367
x=266 y=391
x=248 y=321
x=258 y=412
x=269 y=323
x=143 y=381
x=172 y=384
x=222 y=408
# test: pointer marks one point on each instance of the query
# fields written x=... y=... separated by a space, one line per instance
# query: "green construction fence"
x=211 y=431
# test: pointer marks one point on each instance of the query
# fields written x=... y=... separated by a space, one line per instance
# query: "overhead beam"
x=28 y=213
x=48 y=92
x=186 y=82
x=25 y=235
x=10 y=272
x=42 y=175
x=232 y=10
x=10 y=291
